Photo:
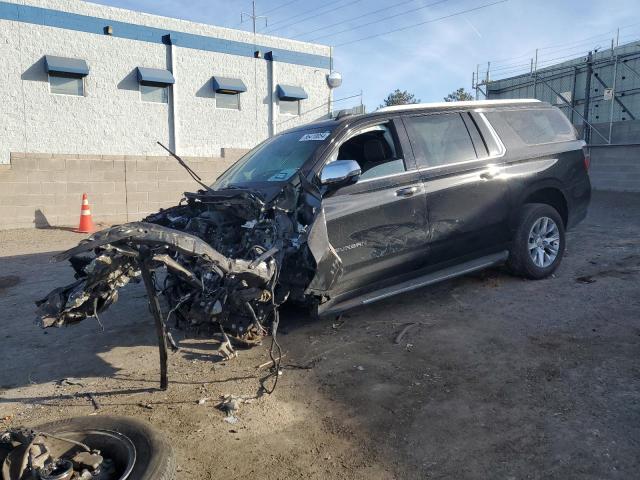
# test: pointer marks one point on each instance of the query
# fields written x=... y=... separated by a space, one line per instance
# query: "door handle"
x=406 y=192
x=492 y=172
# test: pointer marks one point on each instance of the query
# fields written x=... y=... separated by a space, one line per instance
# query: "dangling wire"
x=275 y=369
x=256 y=322
x=95 y=313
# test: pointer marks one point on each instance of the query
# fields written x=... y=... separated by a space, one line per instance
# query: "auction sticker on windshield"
x=282 y=175
x=318 y=137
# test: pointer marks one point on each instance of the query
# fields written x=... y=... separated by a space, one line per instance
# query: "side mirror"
x=340 y=172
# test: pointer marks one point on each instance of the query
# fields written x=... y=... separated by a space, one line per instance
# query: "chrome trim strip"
x=360 y=182
x=494 y=134
x=465 y=104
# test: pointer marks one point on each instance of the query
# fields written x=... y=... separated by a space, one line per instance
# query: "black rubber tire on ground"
x=154 y=456
x=520 y=262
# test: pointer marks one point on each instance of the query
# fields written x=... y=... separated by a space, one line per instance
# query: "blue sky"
x=432 y=59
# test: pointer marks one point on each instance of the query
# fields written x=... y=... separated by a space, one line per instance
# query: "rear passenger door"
x=460 y=160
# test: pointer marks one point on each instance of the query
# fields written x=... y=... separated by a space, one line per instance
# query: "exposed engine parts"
x=34 y=456
x=101 y=447
x=222 y=259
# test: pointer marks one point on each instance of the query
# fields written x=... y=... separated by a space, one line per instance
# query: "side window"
x=376 y=150
x=65 y=85
x=441 y=139
x=535 y=126
x=289 y=107
x=478 y=142
x=154 y=93
x=489 y=134
x=228 y=100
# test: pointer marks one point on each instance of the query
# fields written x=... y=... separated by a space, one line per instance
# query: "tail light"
x=587 y=157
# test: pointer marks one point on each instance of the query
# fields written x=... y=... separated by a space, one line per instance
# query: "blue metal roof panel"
x=155 y=75
x=289 y=92
x=66 y=66
x=226 y=84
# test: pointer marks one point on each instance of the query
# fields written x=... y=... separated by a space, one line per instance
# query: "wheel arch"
x=550 y=195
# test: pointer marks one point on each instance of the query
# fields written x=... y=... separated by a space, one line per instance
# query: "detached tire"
x=154 y=458
x=539 y=242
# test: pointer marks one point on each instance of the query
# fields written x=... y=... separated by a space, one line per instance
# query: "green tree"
x=458 y=96
x=398 y=97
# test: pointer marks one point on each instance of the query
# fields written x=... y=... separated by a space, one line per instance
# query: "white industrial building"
x=81 y=78
x=85 y=82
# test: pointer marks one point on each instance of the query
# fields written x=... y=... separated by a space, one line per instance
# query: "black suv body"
x=458 y=181
x=345 y=212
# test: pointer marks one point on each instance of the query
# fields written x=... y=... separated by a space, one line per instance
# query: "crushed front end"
x=225 y=259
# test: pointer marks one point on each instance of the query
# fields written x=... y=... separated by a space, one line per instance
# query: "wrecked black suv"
x=345 y=212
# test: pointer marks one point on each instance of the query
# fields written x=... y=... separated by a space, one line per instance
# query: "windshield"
x=275 y=160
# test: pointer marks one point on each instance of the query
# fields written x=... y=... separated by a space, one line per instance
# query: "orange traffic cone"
x=86 y=222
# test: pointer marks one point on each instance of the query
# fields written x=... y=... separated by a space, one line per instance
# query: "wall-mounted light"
x=108 y=30
x=334 y=80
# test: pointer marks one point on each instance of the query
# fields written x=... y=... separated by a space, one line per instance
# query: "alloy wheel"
x=544 y=242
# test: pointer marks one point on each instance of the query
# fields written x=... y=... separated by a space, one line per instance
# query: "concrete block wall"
x=40 y=190
x=615 y=168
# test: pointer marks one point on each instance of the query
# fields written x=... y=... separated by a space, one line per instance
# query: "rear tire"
x=539 y=242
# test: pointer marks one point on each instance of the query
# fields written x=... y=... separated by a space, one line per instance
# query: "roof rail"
x=342 y=114
x=471 y=103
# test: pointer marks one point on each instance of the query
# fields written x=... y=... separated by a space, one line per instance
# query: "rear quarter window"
x=534 y=127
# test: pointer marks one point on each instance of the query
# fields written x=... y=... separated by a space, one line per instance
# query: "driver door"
x=378 y=225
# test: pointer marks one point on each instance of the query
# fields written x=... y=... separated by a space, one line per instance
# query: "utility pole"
x=253 y=17
x=257 y=54
x=535 y=76
x=473 y=80
x=613 y=98
x=486 y=82
x=587 y=95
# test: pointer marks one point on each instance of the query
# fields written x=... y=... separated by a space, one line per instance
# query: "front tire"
x=539 y=242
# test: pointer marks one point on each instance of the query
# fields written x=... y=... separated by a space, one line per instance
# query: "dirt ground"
x=502 y=377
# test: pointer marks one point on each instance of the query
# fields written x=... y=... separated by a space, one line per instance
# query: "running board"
x=423 y=281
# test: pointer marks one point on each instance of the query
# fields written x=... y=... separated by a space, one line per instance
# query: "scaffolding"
x=599 y=91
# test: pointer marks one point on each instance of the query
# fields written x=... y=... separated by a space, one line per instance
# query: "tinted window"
x=535 y=127
x=478 y=143
x=440 y=139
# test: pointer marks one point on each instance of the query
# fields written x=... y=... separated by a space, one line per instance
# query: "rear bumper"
x=579 y=197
